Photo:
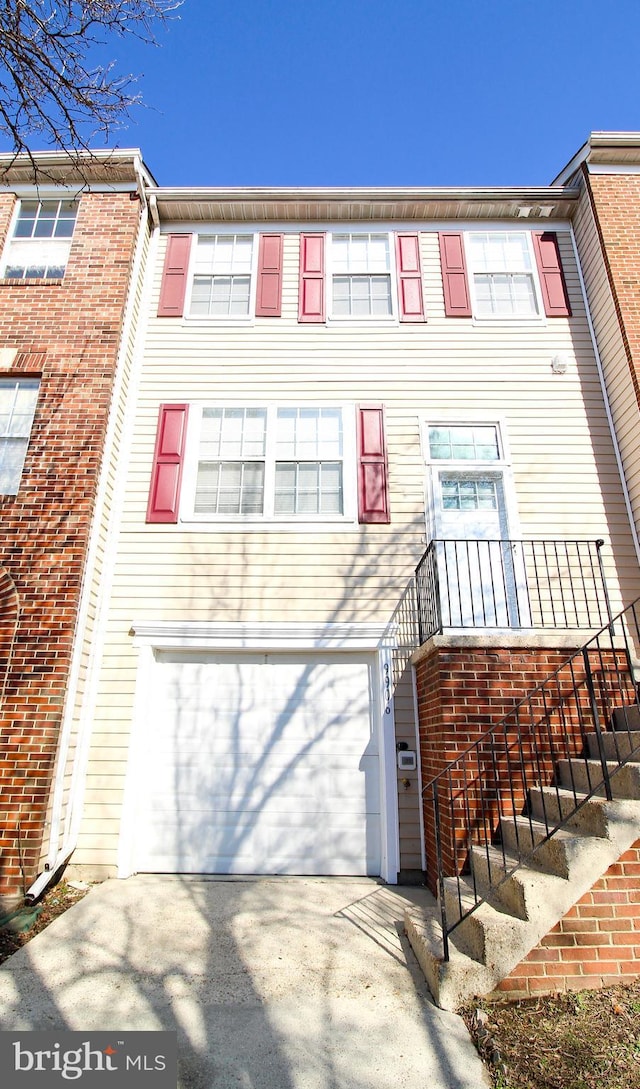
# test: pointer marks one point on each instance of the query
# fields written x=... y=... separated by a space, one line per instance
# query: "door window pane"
x=464 y=443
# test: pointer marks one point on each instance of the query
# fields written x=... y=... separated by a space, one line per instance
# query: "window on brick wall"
x=18 y=398
x=40 y=241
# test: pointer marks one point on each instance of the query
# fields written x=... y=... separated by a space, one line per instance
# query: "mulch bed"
x=52 y=904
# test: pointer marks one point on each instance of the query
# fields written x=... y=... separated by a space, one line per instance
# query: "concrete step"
x=451 y=982
x=596 y=816
x=529 y=838
x=586 y=775
x=523 y=889
x=487 y=945
x=488 y=935
x=617 y=744
x=626 y=718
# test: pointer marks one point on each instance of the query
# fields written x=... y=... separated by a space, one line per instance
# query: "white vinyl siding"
x=564 y=470
x=620 y=389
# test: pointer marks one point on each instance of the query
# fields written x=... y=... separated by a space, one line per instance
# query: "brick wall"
x=67 y=334
x=597 y=944
x=616 y=204
x=461 y=691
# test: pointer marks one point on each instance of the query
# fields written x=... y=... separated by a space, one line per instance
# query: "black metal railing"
x=506 y=795
x=511 y=584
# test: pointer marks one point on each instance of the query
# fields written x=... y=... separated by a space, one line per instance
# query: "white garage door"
x=259 y=764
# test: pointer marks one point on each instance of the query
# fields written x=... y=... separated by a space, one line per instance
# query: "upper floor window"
x=40 y=240
x=502 y=272
x=222 y=274
x=18 y=399
x=361 y=276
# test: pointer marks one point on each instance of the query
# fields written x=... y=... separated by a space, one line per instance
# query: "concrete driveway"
x=270 y=983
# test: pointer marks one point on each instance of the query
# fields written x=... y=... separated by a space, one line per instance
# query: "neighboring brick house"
x=69 y=246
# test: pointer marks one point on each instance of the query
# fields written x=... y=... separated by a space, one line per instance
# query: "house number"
x=387 y=689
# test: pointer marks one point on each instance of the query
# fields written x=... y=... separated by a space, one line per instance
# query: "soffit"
x=84 y=169
x=281 y=206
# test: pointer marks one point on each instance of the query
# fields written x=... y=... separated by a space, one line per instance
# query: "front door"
x=479 y=568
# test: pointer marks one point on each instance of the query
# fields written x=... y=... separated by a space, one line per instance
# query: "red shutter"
x=311 y=292
x=174 y=276
x=164 y=493
x=373 y=473
x=269 y=294
x=409 y=277
x=454 y=276
x=554 y=289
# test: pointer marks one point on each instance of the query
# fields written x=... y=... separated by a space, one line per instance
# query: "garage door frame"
x=369 y=639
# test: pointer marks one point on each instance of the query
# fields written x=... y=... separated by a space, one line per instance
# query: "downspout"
x=607 y=405
x=58 y=855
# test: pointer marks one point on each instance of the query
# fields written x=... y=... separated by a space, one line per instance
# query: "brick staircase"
x=542 y=864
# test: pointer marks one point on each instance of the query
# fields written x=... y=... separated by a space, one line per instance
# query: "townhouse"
x=365 y=492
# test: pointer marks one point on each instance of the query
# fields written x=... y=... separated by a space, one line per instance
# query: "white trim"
x=384 y=712
x=351 y=229
x=259 y=635
x=613 y=168
x=533 y=319
x=51 y=191
x=375 y=226
x=222 y=319
x=502 y=465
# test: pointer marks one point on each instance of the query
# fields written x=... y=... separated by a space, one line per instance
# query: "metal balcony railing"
x=504 y=584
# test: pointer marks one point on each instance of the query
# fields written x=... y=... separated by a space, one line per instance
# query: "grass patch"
x=585 y=1040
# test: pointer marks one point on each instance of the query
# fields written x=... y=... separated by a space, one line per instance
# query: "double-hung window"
x=40 y=240
x=222 y=276
x=271 y=462
x=502 y=274
x=361 y=275
x=18 y=399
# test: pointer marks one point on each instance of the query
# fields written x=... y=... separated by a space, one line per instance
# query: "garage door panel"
x=265 y=764
x=282 y=846
x=233 y=775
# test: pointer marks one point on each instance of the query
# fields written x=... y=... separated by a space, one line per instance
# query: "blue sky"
x=381 y=92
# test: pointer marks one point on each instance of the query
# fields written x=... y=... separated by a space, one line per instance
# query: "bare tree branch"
x=49 y=89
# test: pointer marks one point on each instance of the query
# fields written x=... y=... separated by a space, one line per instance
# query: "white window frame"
x=501 y=465
x=222 y=319
x=6 y=438
x=364 y=319
x=47 y=250
x=535 y=318
x=269 y=517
